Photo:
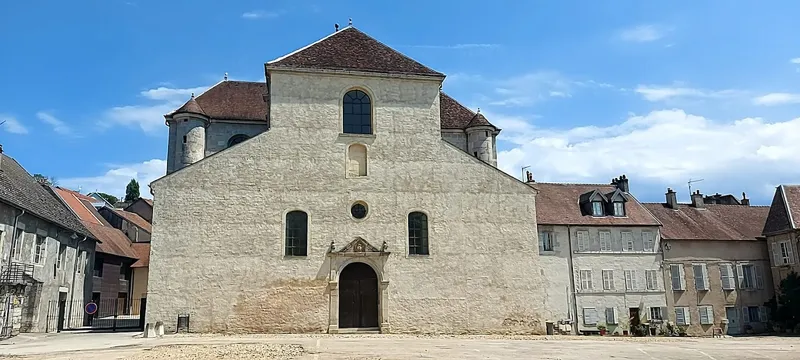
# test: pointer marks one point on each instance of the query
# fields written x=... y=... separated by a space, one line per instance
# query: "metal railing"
x=16 y=273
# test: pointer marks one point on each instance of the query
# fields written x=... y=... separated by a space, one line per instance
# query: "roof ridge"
x=311 y=44
x=581 y=184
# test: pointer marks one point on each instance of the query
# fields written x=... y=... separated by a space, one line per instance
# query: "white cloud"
x=777 y=99
x=666 y=146
x=58 y=126
x=260 y=14
x=115 y=179
x=172 y=94
x=150 y=117
x=643 y=33
x=795 y=60
x=663 y=93
x=12 y=125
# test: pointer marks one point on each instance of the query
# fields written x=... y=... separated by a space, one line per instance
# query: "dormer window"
x=597 y=208
x=619 y=208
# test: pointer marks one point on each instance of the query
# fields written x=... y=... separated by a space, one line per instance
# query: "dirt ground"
x=395 y=347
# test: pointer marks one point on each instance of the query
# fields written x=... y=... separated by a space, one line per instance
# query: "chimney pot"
x=745 y=200
x=621 y=183
x=697 y=199
x=672 y=199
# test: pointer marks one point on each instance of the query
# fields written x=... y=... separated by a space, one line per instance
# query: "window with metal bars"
x=357 y=113
x=296 y=233
x=417 y=233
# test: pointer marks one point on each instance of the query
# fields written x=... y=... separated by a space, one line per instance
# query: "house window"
x=608 y=279
x=546 y=241
x=583 y=240
x=235 y=139
x=417 y=233
x=651 y=277
x=296 y=233
x=611 y=316
x=750 y=276
x=655 y=313
x=40 y=252
x=597 y=208
x=784 y=254
x=358 y=210
x=682 y=315
x=589 y=316
x=726 y=276
x=605 y=241
x=753 y=314
x=700 y=276
x=357 y=113
x=19 y=243
x=630 y=280
x=356 y=160
x=649 y=240
x=98 y=267
x=706 y=314
x=586 y=280
x=62 y=252
x=619 y=208
x=627 y=241
x=678 y=281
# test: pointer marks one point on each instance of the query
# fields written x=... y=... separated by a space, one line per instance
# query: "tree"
x=786 y=304
x=132 y=191
x=108 y=197
x=45 y=180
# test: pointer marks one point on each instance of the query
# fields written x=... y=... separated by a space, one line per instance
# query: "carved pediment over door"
x=359 y=247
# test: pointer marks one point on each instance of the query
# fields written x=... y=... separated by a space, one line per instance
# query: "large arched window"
x=235 y=139
x=296 y=233
x=417 y=233
x=357 y=113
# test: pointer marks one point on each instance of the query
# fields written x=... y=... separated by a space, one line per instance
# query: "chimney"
x=697 y=199
x=621 y=183
x=672 y=199
x=1 y=157
x=745 y=200
x=529 y=176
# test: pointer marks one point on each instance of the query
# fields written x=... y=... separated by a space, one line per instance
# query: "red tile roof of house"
x=135 y=219
x=143 y=254
x=191 y=107
x=712 y=222
x=351 y=49
x=558 y=204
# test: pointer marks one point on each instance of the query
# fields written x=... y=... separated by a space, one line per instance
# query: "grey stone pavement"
x=131 y=345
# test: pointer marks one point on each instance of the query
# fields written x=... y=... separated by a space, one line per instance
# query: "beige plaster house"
x=603 y=247
x=782 y=232
x=358 y=197
x=716 y=265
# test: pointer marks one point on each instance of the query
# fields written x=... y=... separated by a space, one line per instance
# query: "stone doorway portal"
x=358 y=297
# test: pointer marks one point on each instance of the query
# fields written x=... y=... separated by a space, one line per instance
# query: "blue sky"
x=583 y=90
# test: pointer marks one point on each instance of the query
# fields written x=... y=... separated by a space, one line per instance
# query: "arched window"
x=356 y=160
x=235 y=139
x=417 y=233
x=296 y=233
x=357 y=113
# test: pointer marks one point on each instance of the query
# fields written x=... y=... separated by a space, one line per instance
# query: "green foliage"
x=786 y=309
x=132 y=191
x=108 y=197
x=45 y=180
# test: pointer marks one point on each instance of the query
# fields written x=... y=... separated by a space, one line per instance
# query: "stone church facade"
x=358 y=197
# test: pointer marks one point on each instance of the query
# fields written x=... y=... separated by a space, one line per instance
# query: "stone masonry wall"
x=217 y=248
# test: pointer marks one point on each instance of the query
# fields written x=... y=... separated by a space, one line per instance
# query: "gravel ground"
x=223 y=352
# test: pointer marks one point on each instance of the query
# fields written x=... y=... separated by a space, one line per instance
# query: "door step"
x=370 y=330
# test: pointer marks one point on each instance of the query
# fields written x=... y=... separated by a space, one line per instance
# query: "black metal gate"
x=108 y=314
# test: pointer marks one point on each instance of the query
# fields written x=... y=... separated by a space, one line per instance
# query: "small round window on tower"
x=359 y=210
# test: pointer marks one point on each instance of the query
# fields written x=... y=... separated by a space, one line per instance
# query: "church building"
x=346 y=192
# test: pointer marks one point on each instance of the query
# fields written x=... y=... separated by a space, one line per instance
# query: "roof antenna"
x=479 y=110
x=336 y=27
x=350 y=22
x=690 y=184
x=226 y=76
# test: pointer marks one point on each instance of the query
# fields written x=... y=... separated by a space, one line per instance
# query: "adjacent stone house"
x=782 y=232
x=346 y=192
x=602 y=247
x=716 y=264
x=44 y=253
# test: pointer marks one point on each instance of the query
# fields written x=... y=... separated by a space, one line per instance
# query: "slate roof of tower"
x=351 y=49
x=784 y=211
x=558 y=204
x=191 y=107
x=19 y=189
x=712 y=222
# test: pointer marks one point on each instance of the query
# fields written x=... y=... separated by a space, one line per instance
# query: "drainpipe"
x=74 y=271
x=8 y=263
x=572 y=282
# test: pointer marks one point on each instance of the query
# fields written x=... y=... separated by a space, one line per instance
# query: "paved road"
x=124 y=346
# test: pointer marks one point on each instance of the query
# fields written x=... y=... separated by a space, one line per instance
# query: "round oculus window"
x=359 y=210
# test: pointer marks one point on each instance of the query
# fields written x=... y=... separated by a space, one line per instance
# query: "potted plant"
x=602 y=329
x=681 y=331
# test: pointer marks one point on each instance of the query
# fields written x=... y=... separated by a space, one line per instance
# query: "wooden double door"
x=358 y=297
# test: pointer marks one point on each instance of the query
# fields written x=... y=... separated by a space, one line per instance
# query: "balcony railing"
x=16 y=273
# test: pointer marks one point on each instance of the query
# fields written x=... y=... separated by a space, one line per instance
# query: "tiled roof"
x=112 y=240
x=143 y=254
x=784 y=211
x=19 y=189
x=135 y=219
x=351 y=49
x=191 y=107
x=558 y=204
x=712 y=222
x=456 y=116
x=148 y=201
x=479 y=120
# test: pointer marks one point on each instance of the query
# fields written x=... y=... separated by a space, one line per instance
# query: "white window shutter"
x=790 y=252
x=710 y=312
x=745 y=315
x=649 y=313
x=762 y=314
x=682 y=275
x=723 y=275
x=705 y=276
x=675 y=277
x=634 y=284
x=616 y=316
x=740 y=273
x=759 y=276
x=679 y=318
x=554 y=236
x=687 y=315
x=703 y=315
